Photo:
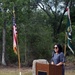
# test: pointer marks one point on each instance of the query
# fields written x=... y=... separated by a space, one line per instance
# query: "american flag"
x=14 y=34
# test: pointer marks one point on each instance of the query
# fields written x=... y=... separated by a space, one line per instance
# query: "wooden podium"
x=48 y=69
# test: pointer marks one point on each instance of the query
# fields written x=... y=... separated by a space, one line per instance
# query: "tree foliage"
x=40 y=23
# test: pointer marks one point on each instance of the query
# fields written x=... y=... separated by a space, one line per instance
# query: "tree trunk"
x=4 y=42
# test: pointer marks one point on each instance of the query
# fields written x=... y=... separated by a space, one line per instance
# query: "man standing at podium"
x=58 y=57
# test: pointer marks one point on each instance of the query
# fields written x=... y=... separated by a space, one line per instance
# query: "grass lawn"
x=14 y=71
x=70 y=72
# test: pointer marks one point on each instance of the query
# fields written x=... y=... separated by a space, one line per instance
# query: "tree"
x=55 y=9
x=39 y=24
x=4 y=33
x=4 y=10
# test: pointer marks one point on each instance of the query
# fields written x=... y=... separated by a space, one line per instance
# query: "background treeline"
x=40 y=24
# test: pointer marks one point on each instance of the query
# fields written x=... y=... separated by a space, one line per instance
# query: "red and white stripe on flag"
x=15 y=38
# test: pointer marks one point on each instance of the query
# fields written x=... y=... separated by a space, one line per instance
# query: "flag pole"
x=19 y=62
x=65 y=45
x=18 y=52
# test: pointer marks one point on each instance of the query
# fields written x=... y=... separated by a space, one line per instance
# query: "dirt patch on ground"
x=70 y=66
